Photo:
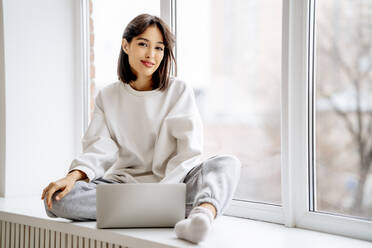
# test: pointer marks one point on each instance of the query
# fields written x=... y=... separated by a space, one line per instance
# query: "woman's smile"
x=147 y=63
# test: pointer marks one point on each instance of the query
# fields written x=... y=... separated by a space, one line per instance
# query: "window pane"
x=231 y=55
x=344 y=107
x=108 y=20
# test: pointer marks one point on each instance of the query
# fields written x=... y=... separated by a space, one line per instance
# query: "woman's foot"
x=197 y=225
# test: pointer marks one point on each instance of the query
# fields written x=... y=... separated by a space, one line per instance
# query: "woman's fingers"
x=49 y=198
x=45 y=190
x=62 y=194
x=65 y=184
x=43 y=194
x=53 y=187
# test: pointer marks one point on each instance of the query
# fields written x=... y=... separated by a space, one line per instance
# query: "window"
x=231 y=54
x=283 y=85
x=344 y=107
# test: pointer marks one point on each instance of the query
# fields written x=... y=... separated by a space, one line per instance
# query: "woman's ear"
x=124 y=45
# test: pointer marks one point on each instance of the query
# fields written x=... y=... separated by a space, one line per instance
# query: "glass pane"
x=108 y=20
x=231 y=55
x=344 y=107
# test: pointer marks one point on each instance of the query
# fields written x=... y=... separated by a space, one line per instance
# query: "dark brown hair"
x=136 y=27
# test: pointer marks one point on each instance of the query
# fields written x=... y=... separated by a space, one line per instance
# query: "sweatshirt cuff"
x=89 y=172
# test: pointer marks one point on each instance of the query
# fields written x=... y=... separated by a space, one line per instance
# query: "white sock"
x=197 y=225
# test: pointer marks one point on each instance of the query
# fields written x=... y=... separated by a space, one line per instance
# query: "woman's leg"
x=214 y=181
x=79 y=204
x=210 y=188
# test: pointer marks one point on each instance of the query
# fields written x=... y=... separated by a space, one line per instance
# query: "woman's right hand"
x=65 y=184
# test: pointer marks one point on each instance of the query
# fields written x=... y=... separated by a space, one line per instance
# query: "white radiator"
x=15 y=235
x=27 y=225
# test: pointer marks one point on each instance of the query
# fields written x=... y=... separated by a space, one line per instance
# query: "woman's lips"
x=147 y=64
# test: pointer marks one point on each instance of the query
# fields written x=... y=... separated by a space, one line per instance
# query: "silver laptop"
x=140 y=205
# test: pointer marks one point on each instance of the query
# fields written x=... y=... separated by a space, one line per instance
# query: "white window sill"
x=226 y=232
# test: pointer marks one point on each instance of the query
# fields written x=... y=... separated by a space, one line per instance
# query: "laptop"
x=131 y=205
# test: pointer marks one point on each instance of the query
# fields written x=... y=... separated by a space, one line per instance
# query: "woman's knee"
x=226 y=162
x=67 y=200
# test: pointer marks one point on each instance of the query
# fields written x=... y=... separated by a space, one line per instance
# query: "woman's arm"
x=183 y=130
x=188 y=132
x=99 y=149
x=77 y=175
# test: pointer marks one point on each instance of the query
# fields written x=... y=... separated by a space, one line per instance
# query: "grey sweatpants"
x=213 y=181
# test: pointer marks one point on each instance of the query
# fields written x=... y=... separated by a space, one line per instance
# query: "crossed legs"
x=210 y=188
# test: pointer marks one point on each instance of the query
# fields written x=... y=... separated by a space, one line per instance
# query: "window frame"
x=305 y=191
x=83 y=72
x=168 y=12
x=297 y=120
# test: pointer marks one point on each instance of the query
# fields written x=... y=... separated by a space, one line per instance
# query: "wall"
x=42 y=89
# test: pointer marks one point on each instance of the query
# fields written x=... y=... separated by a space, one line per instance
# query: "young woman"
x=146 y=128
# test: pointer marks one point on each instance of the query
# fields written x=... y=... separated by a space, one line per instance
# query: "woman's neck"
x=142 y=84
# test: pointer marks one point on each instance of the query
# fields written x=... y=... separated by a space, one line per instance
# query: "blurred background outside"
x=344 y=107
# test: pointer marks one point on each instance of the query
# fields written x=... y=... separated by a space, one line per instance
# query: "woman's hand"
x=65 y=184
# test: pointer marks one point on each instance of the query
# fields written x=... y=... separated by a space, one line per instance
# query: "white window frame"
x=83 y=71
x=297 y=86
x=168 y=12
x=300 y=91
x=298 y=118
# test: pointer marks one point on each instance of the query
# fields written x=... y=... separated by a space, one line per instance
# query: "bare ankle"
x=209 y=206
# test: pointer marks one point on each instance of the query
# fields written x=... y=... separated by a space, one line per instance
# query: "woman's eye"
x=160 y=48
x=142 y=44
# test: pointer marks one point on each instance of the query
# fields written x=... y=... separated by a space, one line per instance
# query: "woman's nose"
x=150 y=53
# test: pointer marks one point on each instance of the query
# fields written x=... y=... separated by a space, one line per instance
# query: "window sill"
x=226 y=232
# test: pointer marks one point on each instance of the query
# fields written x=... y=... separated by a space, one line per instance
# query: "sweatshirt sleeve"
x=99 y=149
x=185 y=126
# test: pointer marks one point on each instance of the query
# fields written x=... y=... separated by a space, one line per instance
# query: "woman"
x=146 y=128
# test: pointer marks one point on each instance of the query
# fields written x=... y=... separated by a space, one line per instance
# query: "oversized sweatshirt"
x=142 y=136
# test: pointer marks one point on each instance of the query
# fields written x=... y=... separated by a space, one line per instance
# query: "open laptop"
x=131 y=205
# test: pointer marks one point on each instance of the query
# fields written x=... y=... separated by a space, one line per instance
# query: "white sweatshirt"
x=142 y=136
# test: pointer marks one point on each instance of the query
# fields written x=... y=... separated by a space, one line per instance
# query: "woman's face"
x=145 y=51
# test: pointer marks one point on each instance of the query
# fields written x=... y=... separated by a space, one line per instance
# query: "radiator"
x=15 y=235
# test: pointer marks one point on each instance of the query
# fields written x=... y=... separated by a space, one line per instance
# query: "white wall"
x=41 y=63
